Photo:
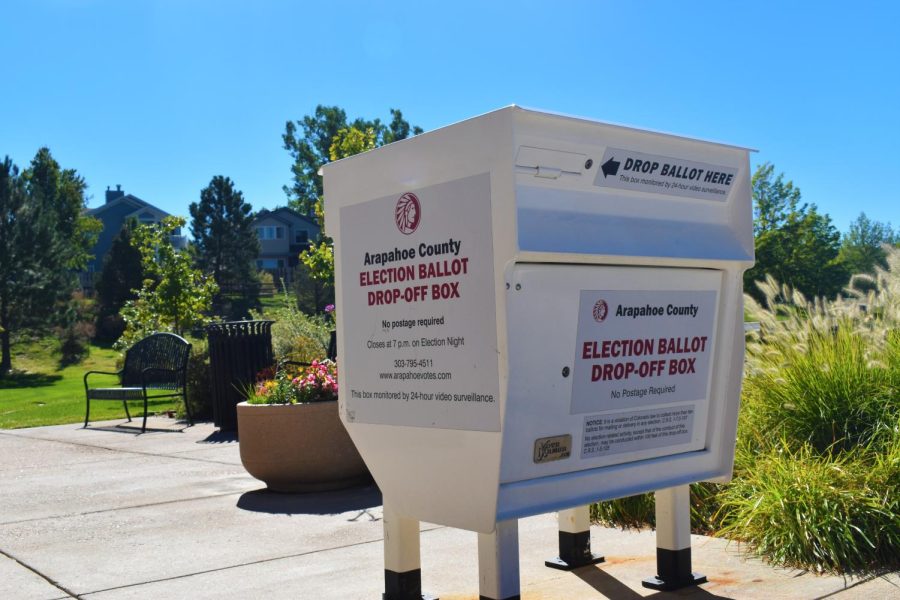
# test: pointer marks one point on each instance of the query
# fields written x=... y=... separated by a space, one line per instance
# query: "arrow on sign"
x=610 y=167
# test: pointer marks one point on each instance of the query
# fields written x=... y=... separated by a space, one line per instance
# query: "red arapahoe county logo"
x=408 y=213
x=600 y=310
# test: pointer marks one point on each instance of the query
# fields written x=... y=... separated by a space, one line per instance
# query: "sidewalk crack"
x=46 y=578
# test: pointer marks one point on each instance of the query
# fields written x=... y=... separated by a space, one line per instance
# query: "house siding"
x=273 y=247
x=286 y=249
x=113 y=216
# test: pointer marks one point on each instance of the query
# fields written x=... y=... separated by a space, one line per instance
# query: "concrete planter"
x=298 y=447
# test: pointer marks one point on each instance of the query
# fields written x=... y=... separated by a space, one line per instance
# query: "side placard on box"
x=419 y=308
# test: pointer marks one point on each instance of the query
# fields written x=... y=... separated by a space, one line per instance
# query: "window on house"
x=301 y=237
x=270 y=263
x=270 y=232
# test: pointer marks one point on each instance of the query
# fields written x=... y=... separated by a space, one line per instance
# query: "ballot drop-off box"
x=535 y=312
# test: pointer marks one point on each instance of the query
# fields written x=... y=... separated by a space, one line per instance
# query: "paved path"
x=108 y=513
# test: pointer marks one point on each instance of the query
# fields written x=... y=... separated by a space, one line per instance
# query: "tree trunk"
x=5 y=350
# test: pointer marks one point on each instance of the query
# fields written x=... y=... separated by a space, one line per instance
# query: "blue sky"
x=161 y=95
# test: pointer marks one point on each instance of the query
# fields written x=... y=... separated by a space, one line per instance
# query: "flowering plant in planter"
x=291 y=436
x=292 y=384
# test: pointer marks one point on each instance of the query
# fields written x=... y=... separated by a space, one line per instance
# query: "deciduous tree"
x=175 y=296
x=318 y=260
x=327 y=136
x=862 y=246
x=309 y=142
x=795 y=244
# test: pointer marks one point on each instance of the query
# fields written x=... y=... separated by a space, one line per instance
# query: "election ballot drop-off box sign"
x=538 y=311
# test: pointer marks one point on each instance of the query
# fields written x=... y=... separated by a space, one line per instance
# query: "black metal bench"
x=156 y=363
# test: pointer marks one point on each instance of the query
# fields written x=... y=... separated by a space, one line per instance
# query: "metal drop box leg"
x=498 y=562
x=673 y=541
x=402 y=569
x=574 y=540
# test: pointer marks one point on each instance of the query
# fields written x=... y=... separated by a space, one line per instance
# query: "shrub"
x=640 y=511
x=831 y=390
x=313 y=293
x=632 y=512
x=76 y=330
x=831 y=512
x=816 y=470
x=266 y=280
x=110 y=328
x=296 y=335
x=199 y=391
x=824 y=373
x=74 y=343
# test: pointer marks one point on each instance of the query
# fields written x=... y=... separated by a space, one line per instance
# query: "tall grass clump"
x=800 y=508
x=635 y=512
x=817 y=465
x=816 y=470
x=832 y=389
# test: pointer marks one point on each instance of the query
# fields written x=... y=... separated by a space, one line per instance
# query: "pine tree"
x=13 y=256
x=120 y=279
x=225 y=243
x=45 y=238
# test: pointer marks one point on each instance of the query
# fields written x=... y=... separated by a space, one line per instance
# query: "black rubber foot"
x=404 y=586
x=558 y=563
x=574 y=552
x=655 y=583
x=516 y=597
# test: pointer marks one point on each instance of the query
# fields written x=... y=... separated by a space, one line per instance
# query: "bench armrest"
x=116 y=373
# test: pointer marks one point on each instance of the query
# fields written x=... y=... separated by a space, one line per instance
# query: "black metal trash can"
x=238 y=351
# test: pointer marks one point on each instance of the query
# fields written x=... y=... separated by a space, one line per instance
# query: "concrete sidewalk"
x=107 y=513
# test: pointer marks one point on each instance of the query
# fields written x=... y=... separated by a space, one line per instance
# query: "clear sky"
x=161 y=95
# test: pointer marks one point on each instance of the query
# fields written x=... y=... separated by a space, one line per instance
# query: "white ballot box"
x=535 y=312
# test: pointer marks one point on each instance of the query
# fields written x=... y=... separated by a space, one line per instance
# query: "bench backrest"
x=157 y=351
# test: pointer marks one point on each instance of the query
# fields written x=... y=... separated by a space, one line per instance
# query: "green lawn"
x=41 y=393
x=269 y=303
